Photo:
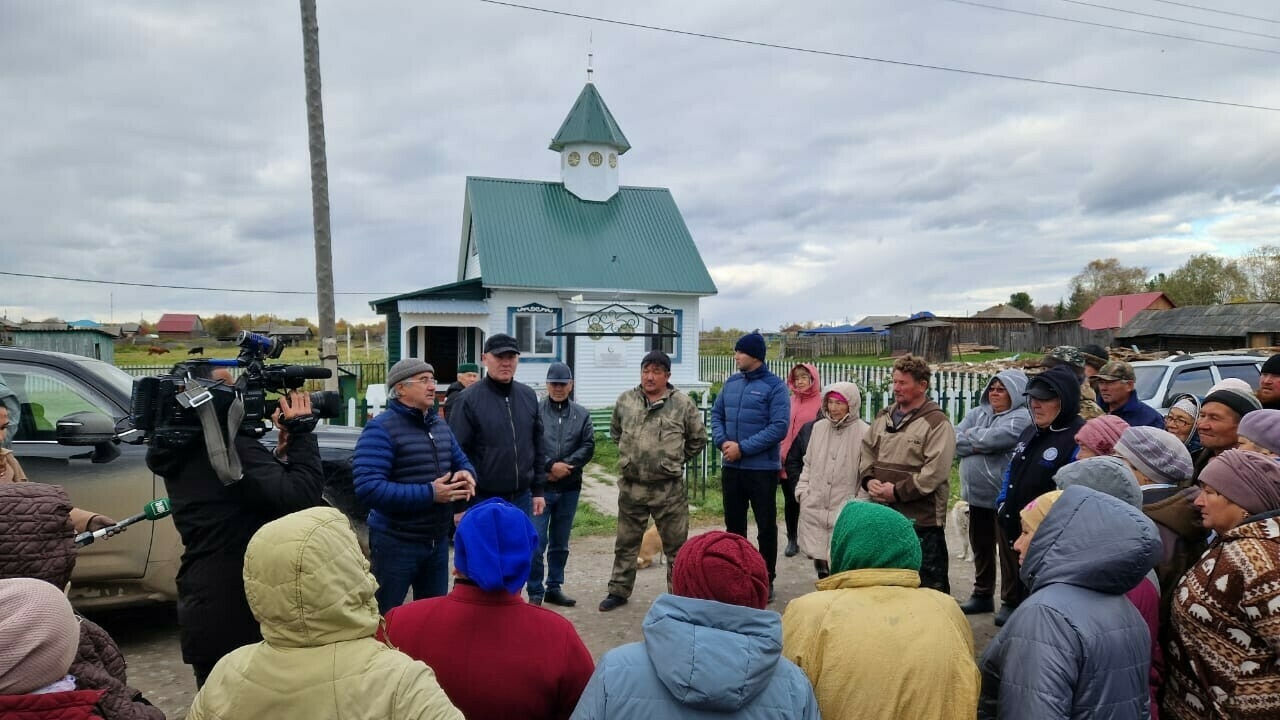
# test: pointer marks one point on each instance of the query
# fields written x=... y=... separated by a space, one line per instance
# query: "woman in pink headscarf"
x=806 y=403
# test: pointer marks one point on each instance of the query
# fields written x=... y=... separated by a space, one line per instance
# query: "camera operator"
x=216 y=522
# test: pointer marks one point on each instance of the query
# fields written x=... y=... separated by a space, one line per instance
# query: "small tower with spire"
x=590 y=143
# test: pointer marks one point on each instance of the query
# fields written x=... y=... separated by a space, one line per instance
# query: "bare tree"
x=1104 y=277
x=1261 y=267
x=319 y=191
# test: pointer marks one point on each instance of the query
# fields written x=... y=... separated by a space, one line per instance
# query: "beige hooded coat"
x=830 y=477
x=310 y=588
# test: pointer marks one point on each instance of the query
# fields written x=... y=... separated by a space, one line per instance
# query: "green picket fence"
x=956 y=392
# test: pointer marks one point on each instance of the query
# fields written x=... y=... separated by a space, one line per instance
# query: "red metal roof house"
x=179 y=326
x=1111 y=312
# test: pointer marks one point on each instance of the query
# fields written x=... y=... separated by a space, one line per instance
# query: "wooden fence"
x=811 y=346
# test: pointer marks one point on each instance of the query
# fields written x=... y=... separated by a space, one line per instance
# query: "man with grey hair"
x=408 y=469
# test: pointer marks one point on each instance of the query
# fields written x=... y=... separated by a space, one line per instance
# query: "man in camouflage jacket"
x=658 y=429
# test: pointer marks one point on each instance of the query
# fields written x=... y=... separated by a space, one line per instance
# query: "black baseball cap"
x=1040 y=389
x=501 y=344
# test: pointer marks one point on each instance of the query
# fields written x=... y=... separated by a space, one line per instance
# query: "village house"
x=1110 y=312
x=1204 y=328
x=180 y=326
x=583 y=271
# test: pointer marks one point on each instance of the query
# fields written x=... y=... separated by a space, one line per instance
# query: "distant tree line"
x=1204 y=279
x=224 y=325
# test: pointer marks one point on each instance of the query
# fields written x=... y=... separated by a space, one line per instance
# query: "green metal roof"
x=471 y=289
x=590 y=122
x=539 y=235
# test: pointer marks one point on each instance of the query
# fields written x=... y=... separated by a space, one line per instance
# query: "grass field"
x=138 y=354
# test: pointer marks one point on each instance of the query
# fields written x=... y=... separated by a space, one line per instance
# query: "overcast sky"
x=166 y=142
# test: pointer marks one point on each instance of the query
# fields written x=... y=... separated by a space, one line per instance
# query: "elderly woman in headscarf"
x=876 y=645
x=1225 y=650
x=806 y=407
x=830 y=475
x=1181 y=420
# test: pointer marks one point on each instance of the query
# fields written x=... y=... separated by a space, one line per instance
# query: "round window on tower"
x=574 y=159
x=595 y=159
x=613 y=160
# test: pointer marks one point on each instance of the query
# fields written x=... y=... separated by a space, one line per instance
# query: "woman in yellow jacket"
x=310 y=588
x=872 y=641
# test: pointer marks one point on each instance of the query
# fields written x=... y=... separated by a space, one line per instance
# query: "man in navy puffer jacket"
x=749 y=420
x=408 y=469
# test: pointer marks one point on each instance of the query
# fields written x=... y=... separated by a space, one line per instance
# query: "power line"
x=1220 y=12
x=886 y=61
x=1170 y=19
x=1114 y=27
x=175 y=287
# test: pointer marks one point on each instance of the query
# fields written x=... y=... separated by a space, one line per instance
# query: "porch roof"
x=443 y=307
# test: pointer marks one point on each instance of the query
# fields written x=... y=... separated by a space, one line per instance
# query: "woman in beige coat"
x=830 y=475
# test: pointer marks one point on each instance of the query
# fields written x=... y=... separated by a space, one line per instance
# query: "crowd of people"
x=1137 y=556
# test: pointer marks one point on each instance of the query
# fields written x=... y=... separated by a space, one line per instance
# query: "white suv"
x=1159 y=382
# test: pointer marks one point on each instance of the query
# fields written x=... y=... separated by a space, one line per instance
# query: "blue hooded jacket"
x=700 y=659
x=753 y=409
x=1077 y=647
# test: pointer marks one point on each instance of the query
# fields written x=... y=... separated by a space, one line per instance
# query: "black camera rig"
x=200 y=398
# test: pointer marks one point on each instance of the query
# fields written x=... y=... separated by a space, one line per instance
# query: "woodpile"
x=962 y=349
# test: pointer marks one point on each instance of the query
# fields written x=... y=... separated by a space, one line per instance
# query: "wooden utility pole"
x=319 y=191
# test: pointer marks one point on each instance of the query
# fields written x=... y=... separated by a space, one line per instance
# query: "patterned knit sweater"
x=1224 y=657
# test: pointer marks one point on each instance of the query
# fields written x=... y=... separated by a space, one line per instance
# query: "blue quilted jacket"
x=754 y=410
x=399 y=454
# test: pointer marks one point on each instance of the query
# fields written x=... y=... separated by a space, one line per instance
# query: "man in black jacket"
x=497 y=424
x=1044 y=447
x=216 y=522
x=569 y=442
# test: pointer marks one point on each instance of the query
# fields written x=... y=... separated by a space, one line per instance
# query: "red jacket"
x=495 y=655
x=71 y=705
x=1146 y=597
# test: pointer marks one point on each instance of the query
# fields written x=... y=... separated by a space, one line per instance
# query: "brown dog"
x=650 y=549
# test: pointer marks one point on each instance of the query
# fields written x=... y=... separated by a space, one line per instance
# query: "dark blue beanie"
x=494 y=546
x=751 y=344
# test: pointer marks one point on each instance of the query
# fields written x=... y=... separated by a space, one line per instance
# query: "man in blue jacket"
x=748 y=422
x=407 y=469
x=1115 y=383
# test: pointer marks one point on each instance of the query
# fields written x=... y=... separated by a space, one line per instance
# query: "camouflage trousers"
x=668 y=504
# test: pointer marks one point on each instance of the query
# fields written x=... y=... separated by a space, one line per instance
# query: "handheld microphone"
x=153 y=510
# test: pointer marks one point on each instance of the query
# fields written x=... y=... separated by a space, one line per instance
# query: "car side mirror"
x=85 y=429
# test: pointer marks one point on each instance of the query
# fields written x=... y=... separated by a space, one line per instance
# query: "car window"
x=1147 y=380
x=1247 y=372
x=46 y=395
x=1195 y=381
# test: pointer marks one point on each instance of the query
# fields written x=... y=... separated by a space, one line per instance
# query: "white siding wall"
x=598 y=381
